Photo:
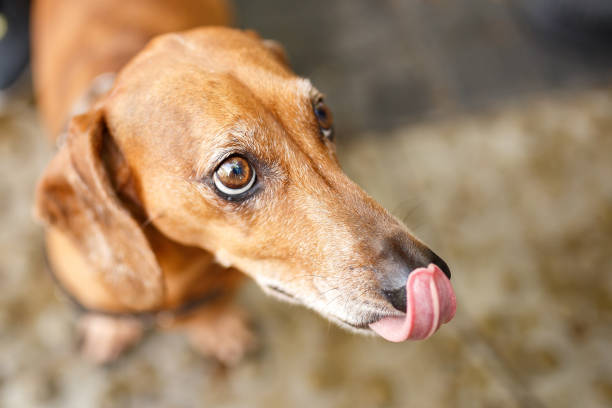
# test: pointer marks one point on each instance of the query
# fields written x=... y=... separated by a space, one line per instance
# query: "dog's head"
x=221 y=146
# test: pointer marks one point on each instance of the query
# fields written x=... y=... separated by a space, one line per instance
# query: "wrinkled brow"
x=246 y=135
x=237 y=137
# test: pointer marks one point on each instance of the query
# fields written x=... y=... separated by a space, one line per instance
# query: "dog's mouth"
x=430 y=302
x=280 y=292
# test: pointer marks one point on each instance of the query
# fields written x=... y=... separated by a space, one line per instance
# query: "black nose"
x=397 y=295
x=439 y=262
x=397 y=298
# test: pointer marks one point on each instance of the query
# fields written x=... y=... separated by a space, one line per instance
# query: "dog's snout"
x=403 y=259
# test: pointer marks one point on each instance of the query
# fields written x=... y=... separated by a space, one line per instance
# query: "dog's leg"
x=104 y=338
x=220 y=330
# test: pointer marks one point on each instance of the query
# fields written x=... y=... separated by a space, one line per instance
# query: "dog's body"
x=145 y=205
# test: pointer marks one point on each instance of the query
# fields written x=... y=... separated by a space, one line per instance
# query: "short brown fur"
x=134 y=223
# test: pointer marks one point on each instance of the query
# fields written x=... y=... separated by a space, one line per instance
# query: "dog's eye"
x=324 y=117
x=234 y=176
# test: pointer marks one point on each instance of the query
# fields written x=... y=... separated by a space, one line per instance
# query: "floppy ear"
x=76 y=196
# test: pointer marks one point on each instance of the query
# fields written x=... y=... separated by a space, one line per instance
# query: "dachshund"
x=190 y=155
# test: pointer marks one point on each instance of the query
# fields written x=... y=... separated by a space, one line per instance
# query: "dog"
x=189 y=155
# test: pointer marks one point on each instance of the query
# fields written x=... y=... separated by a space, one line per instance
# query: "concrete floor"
x=516 y=194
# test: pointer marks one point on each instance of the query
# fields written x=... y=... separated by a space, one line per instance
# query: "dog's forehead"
x=213 y=49
x=198 y=97
x=223 y=67
x=187 y=96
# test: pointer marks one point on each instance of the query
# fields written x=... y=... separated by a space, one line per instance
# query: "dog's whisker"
x=329 y=290
x=406 y=214
x=307 y=276
x=334 y=299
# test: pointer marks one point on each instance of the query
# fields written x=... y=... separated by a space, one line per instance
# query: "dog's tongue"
x=430 y=302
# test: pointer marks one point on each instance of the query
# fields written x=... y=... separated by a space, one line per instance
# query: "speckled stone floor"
x=516 y=197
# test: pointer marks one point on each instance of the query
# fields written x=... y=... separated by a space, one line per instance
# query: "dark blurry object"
x=586 y=24
x=14 y=40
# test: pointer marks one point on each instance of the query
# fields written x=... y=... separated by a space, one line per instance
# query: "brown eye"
x=234 y=176
x=324 y=117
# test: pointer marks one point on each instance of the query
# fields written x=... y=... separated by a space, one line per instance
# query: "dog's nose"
x=397 y=295
x=439 y=262
x=397 y=298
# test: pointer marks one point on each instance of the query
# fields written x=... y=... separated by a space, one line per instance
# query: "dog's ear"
x=76 y=196
x=278 y=50
x=273 y=46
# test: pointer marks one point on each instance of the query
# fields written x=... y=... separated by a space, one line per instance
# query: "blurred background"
x=485 y=125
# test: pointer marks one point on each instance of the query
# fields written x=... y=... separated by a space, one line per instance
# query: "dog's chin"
x=362 y=329
x=282 y=295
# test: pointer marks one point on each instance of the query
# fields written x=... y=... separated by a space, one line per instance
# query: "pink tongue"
x=431 y=302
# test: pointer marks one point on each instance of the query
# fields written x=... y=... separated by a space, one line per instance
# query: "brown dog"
x=207 y=157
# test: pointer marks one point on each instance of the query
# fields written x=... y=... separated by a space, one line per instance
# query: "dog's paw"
x=103 y=338
x=222 y=333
